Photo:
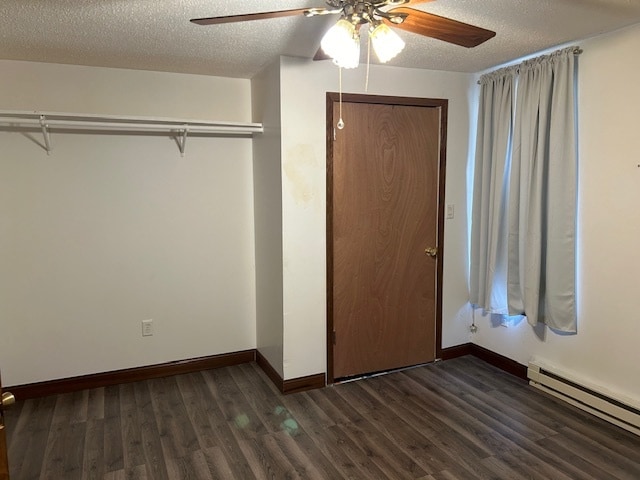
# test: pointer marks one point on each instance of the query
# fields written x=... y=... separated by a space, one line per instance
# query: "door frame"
x=442 y=105
x=4 y=459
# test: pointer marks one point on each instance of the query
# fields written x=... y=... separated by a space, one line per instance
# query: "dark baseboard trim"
x=457 y=351
x=301 y=384
x=500 y=361
x=310 y=382
x=74 y=384
x=492 y=358
x=292 y=385
x=269 y=371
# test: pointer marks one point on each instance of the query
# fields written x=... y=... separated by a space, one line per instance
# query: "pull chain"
x=340 y=124
x=366 y=82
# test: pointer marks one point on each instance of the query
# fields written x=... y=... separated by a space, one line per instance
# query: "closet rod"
x=45 y=121
x=125 y=126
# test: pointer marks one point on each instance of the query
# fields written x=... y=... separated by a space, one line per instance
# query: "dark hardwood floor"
x=458 y=419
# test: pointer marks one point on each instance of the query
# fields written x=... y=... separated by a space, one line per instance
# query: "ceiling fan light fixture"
x=342 y=43
x=386 y=43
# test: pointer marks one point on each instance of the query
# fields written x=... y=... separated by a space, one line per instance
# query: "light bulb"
x=342 y=43
x=386 y=43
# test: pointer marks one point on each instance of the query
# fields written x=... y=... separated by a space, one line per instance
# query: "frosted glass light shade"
x=342 y=43
x=386 y=43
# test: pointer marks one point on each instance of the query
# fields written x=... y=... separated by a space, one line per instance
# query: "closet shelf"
x=13 y=120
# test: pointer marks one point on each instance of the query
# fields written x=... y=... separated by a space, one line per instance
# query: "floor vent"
x=616 y=411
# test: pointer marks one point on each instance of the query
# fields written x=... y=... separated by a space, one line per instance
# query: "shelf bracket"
x=45 y=133
x=182 y=141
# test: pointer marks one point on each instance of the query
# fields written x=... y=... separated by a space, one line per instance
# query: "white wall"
x=113 y=91
x=110 y=230
x=303 y=89
x=604 y=352
x=265 y=93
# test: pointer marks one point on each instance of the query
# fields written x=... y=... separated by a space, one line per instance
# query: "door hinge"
x=334 y=337
x=334 y=134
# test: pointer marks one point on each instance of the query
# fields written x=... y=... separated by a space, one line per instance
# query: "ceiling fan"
x=379 y=15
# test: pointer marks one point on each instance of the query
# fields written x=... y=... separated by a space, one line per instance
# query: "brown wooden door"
x=384 y=212
x=4 y=461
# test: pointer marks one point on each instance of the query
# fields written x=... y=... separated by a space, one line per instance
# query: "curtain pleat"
x=488 y=269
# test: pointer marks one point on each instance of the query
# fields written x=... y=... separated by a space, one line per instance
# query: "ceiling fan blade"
x=249 y=16
x=442 y=28
x=415 y=2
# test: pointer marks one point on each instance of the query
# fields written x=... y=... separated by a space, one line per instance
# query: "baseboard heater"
x=614 y=410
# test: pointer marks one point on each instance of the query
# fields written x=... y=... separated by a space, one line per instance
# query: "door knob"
x=431 y=251
x=8 y=399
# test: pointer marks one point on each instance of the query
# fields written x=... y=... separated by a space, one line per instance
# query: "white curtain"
x=488 y=277
x=537 y=204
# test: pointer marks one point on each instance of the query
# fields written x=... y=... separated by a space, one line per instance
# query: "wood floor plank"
x=133 y=450
x=115 y=475
x=79 y=406
x=302 y=407
x=363 y=459
x=263 y=466
x=150 y=436
x=192 y=467
x=588 y=468
x=271 y=450
x=457 y=419
x=95 y=404
x=354 y=394
x=502 y=437
x=620 y=465
x=234 y=405
x=479 y=399
x=325 y=453
x=113 y=448
x=217 y=462
x=446 y=416
x=199 y=408
x=65 y=449
x=615 y=439
x=334 y=406
x=487 y=373
x=502 y=470
x=391 y=459
x=137 y=473
x=263 y=402
x=425 y=453
x=467 y=400
x=177 y=435
x=228 y=427
x=384 y=391
x=307 y=464
x=532 y=466
x=93 y=456
x=65 y=443
x=456 y=473
x=17 y=423
x=36 y=429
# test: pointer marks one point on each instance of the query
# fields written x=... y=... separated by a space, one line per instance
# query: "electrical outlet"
x=147 y=328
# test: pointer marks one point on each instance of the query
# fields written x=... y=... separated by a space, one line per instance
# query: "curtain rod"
x=576 y=51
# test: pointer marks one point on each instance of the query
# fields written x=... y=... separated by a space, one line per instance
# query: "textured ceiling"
x=157 y=34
